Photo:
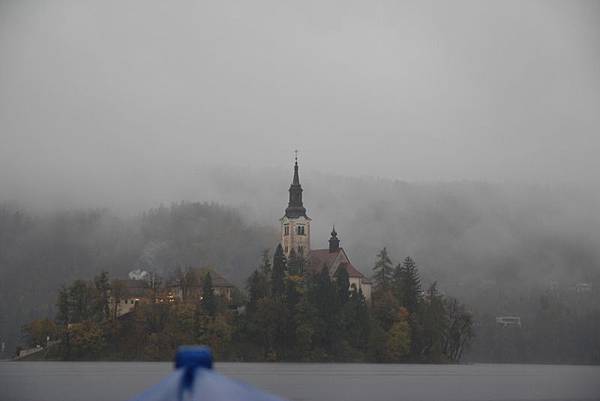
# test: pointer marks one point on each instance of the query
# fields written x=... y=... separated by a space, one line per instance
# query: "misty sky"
x=102 y=95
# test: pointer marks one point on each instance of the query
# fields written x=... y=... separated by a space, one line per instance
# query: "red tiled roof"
x=319 y=258
x=200 y=273
x=133 y=288
x=352 y=272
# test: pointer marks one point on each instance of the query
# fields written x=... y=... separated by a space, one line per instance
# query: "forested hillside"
x=40 y=253
x=498 y=248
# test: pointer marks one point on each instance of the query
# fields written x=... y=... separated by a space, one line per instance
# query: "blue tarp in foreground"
x=194 y=380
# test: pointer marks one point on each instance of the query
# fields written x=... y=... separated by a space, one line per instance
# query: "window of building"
x=286 y=249
x=300 y=230
x=301 y=250
x=286 y=229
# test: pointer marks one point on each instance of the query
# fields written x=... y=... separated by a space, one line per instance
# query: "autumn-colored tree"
x=87 y=340
x=398 y=341
x=38 y=332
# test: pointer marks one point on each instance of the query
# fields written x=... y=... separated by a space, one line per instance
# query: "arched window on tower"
x=286 y=229
x=300 y=230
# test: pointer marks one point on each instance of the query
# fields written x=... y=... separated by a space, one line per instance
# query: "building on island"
x=190 y=285
x=295 y=241
x=128 y=293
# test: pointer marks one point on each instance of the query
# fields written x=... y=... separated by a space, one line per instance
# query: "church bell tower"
x=295 y=224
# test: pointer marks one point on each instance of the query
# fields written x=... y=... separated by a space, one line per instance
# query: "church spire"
x=334 y=242
x=295 y=207
x=296 y=180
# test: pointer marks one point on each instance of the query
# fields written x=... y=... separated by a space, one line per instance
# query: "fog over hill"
x=455 y=230
x=468 y=236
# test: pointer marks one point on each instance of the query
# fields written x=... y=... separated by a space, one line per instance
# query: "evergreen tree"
x=407 y=285
x=383 y=270
x=80 y=301
x=271 y=317
x=265 y=267
x=434 y=323
x=342 y=284
x=62 y=304
x=258 y=284
x=385 y=309
x=410 y=285
x=279 y=271
x=293 y=296
x=209 y=300
x=102 y=304
x=295 y=263
x=355 y=320
x=398 y=282
x=64 y=317
x=307 y=324
x=258 y=288
x=326 y=298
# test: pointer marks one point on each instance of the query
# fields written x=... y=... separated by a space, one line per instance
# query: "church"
x=295 y=241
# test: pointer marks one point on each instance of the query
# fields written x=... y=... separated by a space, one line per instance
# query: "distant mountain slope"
x=38 y=254
x=465 y=235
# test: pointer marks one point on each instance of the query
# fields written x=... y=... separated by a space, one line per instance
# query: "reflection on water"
x=113 y=381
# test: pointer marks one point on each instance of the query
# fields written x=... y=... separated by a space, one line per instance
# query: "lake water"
x=114 y=381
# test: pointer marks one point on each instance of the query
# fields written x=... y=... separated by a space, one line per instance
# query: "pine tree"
x=355 y=323
x=258 y=287
x=258 y=284
x=62 y=304
x=209 y=300
x=409 y=296
x=278 y=273
x=342 y=283
x=410 y=285
x=398 y=282
x=80 y=298
x=328 y=306
x=434 y=322
x=102 y=294
x=383 y=270
x=265 y=267
x=295 y=263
